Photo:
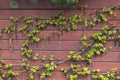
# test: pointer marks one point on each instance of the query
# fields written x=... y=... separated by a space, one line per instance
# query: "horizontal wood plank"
x=46 y=4
x=54 y=45
x=45 y=14
x=59 y=47
x=65 y=36
x=17 y=55
x=103 y=66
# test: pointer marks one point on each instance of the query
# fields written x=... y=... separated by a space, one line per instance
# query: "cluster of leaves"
x=89 y=49
x=33 y=70
x=96 y=74
x=48 y=66
x=25 y=49
x=75 y=57
x=75 y=72
x=25 y=64
x=10 y=74
x=94 y=47
x=48 y=69
x=113 y=74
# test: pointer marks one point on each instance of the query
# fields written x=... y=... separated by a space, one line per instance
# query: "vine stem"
x=77 y=53
x=65 y=60
x=86 y=47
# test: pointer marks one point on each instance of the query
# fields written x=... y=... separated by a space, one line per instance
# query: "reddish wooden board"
x=59 y=47
x=94 y=4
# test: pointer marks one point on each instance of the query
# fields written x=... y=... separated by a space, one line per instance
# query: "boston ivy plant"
x=91 y=46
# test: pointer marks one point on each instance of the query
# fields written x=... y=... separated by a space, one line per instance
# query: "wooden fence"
x=57 y=46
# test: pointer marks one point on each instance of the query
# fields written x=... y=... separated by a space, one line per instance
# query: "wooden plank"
x=45 y=14
x=46 y=5
x=98 y=4
x=44 y=45
x=6 y=23
x=55 y=76
x=58 y=75
x=27 y=5
x=105 y=66
x=17 y=55
x=65 y=36
x=108 y=57
x=102 y=65
x=54 y=45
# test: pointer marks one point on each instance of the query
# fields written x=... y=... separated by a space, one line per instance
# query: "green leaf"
x=35 y=57
x=48 y=73
x=118 y=77
x=103 y=17
x=118 y=36
x=85 y=23
x=94 y=76
x=74 y=27
x=47 y=65
x=84 y=37
x=31 y=77
x=71 y=52
x=36 y=39
x=14 y=4
x=8 y=66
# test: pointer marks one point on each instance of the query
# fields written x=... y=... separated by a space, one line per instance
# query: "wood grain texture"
x=59 y=47
x=54 y=45
x=46 y=14
x=9 y=55
x=46 y=5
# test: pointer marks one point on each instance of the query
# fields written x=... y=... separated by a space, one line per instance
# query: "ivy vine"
x=78 y=61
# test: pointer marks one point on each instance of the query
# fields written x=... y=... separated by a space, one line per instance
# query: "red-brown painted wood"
x=6 y=23
x=94 y=4
x=65 y=36
x=9 y=55
x=56 y=46
x=45 y=14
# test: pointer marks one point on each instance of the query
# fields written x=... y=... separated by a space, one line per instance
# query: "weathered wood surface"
x=58 y=46
x=44 y=4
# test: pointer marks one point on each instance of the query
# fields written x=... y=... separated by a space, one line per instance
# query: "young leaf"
x=14 y=4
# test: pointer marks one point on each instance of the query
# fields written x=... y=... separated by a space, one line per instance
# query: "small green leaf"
x=71 y=52
x=85 y=23
x=74 y=27
x=118 y=36
x=35 y=57
x=84 y=37
x=14 y=4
